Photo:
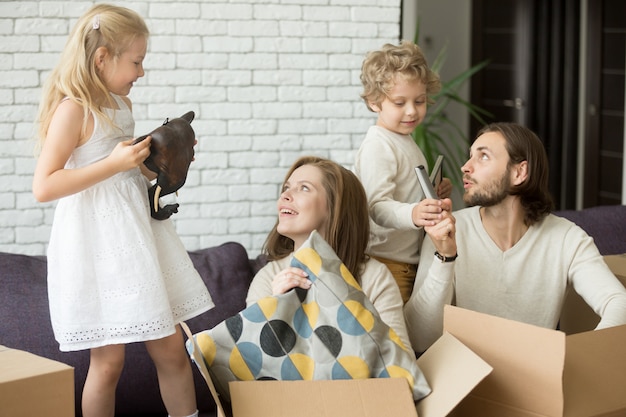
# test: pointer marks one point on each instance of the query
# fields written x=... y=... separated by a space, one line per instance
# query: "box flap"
x=527 y=364
x=373 y=397
x=452 y=370
x=595 y=373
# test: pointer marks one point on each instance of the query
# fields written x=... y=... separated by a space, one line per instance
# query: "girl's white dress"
x=115 y=275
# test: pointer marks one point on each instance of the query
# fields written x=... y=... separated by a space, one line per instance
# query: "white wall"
x=444 y=24
x=269 y=80
x=447 y=24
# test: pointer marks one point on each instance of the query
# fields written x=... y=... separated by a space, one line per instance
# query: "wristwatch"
x=444 y=258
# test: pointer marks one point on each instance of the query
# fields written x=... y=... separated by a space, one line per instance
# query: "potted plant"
x=438 y=134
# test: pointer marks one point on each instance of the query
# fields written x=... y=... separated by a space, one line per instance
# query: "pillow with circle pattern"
x=331 y=331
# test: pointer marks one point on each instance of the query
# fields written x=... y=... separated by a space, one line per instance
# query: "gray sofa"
x=25 y=323
x=226 y=270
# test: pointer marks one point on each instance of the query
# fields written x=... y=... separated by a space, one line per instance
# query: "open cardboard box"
x=451 y=369
x=525 y=371
x=577 y=316
x=541 y=372
x=34 y=386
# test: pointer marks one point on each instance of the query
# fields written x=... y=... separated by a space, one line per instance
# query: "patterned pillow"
x=331 y=331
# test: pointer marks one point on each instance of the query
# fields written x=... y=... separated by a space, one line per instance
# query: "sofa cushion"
x=227 y=273
x=605 y=224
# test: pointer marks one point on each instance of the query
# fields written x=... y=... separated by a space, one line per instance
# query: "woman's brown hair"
x=348 y=222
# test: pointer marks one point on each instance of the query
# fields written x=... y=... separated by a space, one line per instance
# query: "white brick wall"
x=269 y=80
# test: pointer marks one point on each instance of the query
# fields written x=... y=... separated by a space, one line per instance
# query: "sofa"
x=25 y=323
x=227 y=271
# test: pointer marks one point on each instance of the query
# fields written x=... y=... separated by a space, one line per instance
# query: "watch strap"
x=444 y=258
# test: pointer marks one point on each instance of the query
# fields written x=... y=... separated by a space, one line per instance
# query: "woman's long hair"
x=347 y=224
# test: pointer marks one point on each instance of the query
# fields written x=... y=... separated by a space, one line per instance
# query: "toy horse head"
x=171 y=153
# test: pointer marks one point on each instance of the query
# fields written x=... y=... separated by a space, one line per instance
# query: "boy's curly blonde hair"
x=380 y=68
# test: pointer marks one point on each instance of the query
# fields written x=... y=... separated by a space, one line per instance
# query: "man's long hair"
x=522 y=144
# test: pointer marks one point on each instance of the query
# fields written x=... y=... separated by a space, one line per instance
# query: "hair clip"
x=96 y=22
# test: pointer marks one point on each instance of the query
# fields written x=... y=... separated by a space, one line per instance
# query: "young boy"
x=397 y=84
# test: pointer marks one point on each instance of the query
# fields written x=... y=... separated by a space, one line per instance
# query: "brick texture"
x=269 y=81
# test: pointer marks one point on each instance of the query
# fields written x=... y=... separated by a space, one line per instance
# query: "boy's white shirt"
x=385 y=163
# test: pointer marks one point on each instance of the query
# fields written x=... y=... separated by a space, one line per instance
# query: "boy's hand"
x=444 y=190
x=429 y=211
x=443 y=234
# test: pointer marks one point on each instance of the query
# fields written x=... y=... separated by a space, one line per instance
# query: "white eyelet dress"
x=115 y=275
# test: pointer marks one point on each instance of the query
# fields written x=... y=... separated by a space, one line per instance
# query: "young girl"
x=397 y=84
x=115 y=275
x=319 y=194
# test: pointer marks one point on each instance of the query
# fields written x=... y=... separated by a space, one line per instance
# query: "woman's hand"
x=290 y=278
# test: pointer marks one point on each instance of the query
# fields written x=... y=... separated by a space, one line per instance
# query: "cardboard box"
x=34 y=386
x=451 y=369
x=341 y=398
x=541 y=372
x=577 y=316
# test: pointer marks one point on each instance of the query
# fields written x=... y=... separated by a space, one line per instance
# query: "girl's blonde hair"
x=76 y=75
x=380 y=68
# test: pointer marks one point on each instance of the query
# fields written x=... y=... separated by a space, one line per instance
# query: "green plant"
x=438 y=134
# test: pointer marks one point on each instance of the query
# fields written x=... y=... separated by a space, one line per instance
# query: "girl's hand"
x=429 y=211
x=443 y=234
x=289 y=278
x=127 y=156
x=444 y=190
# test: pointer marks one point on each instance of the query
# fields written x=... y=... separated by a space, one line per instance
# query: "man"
x=515 y=259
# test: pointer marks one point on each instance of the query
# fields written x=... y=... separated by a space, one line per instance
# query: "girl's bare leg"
x=105 y=367
x=175 y=375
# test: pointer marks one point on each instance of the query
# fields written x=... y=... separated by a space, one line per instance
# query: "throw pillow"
x=331 y=331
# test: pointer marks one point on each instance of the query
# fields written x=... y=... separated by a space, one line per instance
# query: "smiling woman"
x=302 y=206
x=319 y=194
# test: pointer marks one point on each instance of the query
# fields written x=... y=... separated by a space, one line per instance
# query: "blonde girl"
x=115 y=275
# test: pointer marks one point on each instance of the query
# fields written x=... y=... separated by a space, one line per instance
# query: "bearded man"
x=506 y=254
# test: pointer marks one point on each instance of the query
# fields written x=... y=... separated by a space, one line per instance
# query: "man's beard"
x=494 y=193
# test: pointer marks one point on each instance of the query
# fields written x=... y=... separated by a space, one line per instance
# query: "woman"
x=319 y=194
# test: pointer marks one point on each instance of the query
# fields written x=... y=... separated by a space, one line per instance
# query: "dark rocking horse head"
x=171 y=153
